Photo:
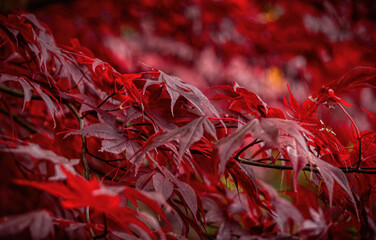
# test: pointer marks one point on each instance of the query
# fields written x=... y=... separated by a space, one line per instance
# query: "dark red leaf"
x=187 y=192
x=25 y=86
x=359 y=77
x=176 y=88
x=78 y=192
x=162 y=185
x=331 y=174
x=315 y=227
x=283 y=209
x=185 y=136
x=271 y=130
x=39 y=223
x=37 y=152
x=245 y=177
x=114 y=141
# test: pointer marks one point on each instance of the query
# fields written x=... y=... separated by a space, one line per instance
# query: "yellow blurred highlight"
x=270 y=13
x=230 y=184
x=275 y=79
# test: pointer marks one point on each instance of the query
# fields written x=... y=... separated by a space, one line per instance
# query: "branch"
x=83 y=159
x=105 y=100
x=20 y=121
x=254 y=142
x=108 y=162
x=83 y=150
x=259 y=163
x=359 y=138
x=17 y=93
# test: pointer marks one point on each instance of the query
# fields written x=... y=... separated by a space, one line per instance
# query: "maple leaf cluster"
x=96 y=142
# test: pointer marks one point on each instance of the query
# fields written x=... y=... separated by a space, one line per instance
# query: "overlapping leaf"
x=245 y=177
x=35 y=151
x=284 y=135
x=271 y=130
x=114 y=141
x=30 y=56
x=359 y=77
x=166 y=184
x=187 y=192
x=27 y=91
x=242 y=101
x=185 y=136
x=39 y=223
x=77 y=192
x=25 y=86
x=284 y=210
x=162 y=185
x=331 y=175
x=176 y=88
x=45 y=49
x=323 y=136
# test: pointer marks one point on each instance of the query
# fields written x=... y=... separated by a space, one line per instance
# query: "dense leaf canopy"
x=187 y=119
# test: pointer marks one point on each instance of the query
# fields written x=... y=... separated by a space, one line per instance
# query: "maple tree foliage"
x=108 y=129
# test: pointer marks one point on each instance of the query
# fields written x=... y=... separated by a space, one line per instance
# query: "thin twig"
x=20 y=121
x=105 y=100
x=83 y=160
x=257 y=163
x=254 y=142
x=83 y=151
x=358 y=136
x=18 y=93
x=108 y=162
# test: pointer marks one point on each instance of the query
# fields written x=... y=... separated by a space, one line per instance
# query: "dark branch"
x=21 y=122
x=105 y=100
x=108 y=162
x=254 y=142
x=83 y=151
x=259 y=163
x=17 y=93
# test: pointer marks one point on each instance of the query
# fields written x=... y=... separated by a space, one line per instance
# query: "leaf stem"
x=358 y=136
